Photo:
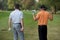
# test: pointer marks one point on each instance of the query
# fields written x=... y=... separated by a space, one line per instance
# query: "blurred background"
x=30 y=26
x=29 y=4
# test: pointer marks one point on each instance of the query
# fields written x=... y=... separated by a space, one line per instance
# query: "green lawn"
x=30 y=27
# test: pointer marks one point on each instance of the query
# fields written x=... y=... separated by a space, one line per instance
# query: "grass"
x=30 y=27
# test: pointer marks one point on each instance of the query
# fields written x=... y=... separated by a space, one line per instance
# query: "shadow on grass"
x=5 y=35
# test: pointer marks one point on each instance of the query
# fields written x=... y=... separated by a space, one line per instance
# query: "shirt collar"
x=16 y=9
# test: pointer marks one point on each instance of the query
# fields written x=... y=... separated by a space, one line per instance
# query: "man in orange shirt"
x=42 y=18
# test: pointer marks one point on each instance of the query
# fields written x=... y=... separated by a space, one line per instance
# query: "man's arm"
x=22 y=24
x=51 y=17
x=36 y=17
x=9 y=24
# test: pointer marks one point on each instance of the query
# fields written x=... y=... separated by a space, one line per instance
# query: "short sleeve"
x=21 y=15
x=10 y=16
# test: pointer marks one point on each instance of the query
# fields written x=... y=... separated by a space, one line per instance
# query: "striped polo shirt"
x=16 y=16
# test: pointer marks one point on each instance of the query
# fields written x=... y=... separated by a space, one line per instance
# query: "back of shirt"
x=16 y=16
x=42 y=17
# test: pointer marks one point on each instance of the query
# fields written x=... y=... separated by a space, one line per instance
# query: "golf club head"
x=33 y=12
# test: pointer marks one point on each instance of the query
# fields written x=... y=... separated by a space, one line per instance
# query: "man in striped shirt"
x=16 y=18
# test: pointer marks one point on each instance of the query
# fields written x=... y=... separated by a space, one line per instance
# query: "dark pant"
x=42 y=31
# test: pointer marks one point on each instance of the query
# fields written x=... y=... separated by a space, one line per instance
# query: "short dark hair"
x=43 y=7
x=17 y=6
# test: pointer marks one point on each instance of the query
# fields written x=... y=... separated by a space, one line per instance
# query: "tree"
x=10 y=4
x=4 y=4
x=28 y=4
x=55 y=4
x=1 y=4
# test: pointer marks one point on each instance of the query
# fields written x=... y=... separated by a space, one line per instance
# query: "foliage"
x=10 y=4
x=29 y=4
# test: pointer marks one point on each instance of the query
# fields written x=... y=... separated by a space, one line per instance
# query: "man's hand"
x=22 y=24
x=22 y=29
x=9 y=29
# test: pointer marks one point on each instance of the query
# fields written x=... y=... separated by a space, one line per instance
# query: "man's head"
x=43 y=7
x=17 y=6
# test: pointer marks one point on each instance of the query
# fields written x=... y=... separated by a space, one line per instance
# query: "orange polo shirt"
x=42 y=17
